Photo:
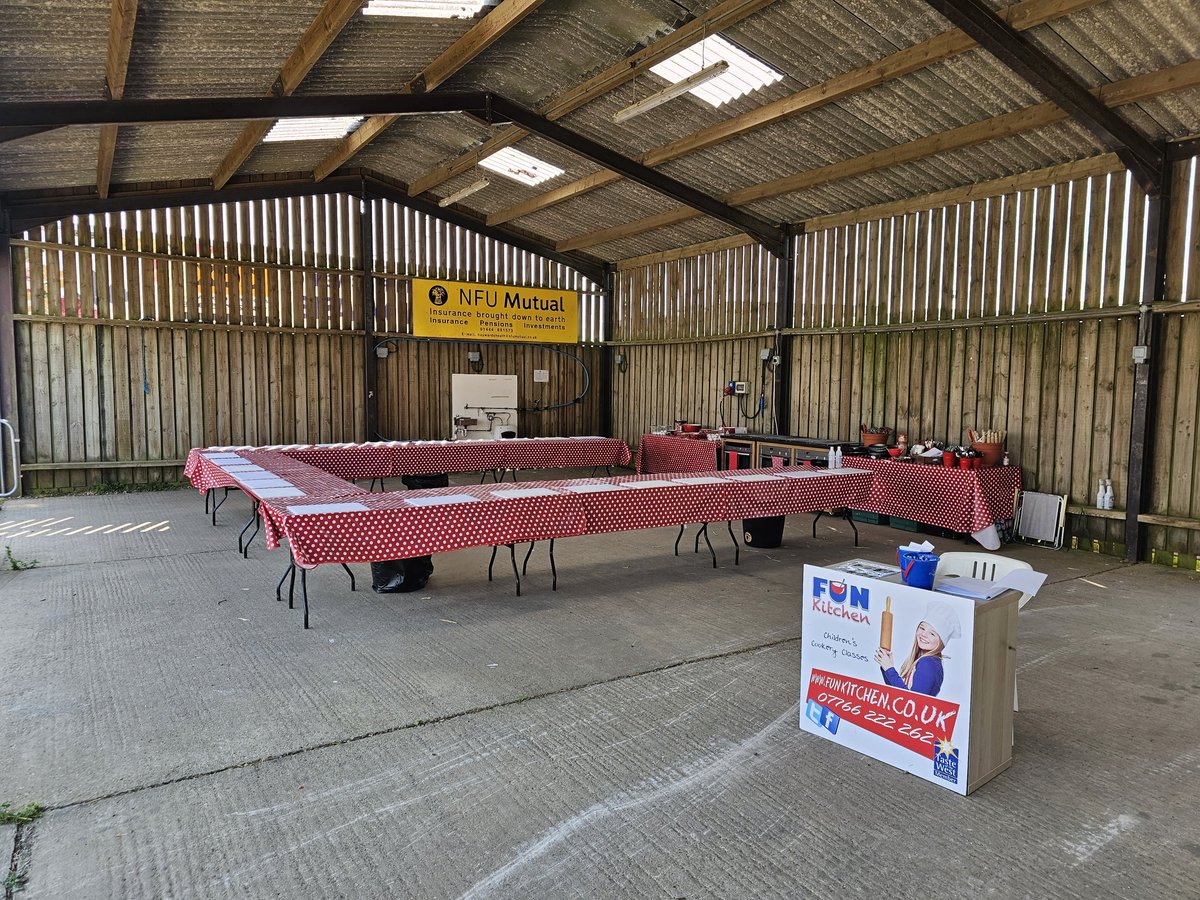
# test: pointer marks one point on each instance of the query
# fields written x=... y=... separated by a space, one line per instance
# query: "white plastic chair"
x=985 y=567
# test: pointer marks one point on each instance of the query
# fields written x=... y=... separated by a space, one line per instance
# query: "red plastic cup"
x=976 y=462
x=948 y=459
x=964 y=462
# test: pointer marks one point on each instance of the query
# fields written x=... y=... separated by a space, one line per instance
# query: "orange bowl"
x=893 y=452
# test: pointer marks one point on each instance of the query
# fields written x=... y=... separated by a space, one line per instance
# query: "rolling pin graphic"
x=885 y=626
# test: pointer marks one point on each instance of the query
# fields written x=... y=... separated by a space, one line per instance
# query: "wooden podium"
x=954 y=725
x=993 y=685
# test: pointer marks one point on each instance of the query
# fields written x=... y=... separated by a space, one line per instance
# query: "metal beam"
x=8 y=356
x=366 y=258
x=1142 y=157
x=606 y=354
x=1141 y=426
x=785 y=311
x=15 y=134
x=49 y=114
x=769 y=235
x=591 y=266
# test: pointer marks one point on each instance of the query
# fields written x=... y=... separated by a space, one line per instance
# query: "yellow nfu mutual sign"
x=494 y=312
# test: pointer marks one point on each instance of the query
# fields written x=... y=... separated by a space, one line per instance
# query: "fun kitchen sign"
x=490 y=312
x=885 y=669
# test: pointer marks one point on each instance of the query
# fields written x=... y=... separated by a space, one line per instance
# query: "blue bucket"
x=917 y=568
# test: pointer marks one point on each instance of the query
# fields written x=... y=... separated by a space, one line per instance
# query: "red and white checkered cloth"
x=963 y=500
x=665 y=453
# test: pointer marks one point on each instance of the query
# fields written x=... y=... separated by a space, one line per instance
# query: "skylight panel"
x=426 y=9
x=745 y=73
x=319 y=128
x=512 y=163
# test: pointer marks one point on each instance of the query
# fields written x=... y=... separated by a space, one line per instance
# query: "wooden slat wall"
x=1015 y=312
x=961 y=317
x=684 y=326
x=141 y=335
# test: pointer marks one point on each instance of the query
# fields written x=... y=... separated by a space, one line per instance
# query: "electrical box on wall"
x=483 y=406
x=741 y=387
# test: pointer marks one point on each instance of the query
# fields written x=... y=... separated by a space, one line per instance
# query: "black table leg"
x=217 y=506
x=678 y=537
x=512 y=551
x=290 y=570
x=304 y=590
x=704 y=531
x=553 y=570
x=207 y=499
x=246 y=527
x=737 y=552
x=492 y=561
x=254 y=533
x=351 y=574
x=292 y=586
x=529 y=553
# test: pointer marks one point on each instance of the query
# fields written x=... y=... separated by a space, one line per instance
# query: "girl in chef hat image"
x=922 y=670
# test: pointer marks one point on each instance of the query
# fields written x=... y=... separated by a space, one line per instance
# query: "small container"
x=964 y=462
x=948 y=459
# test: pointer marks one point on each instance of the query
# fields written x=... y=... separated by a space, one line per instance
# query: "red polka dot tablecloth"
x=390 y=459
x=403 y=524
x=963 y=500
x=370 y=527
x=666 y=453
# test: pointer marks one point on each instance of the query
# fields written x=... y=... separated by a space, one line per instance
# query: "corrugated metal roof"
x=215 y=48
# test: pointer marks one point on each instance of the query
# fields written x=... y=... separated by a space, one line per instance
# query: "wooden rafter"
x=478 y=38
x=1118 y=93
x=1036 y=67
x=327 y=25
x=116 y=67
x=904 y=62
x=721 y=16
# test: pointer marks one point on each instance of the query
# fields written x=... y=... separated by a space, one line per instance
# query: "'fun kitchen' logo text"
x=843 y=601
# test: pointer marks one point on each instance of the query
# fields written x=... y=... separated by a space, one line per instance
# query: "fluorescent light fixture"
x=426 y=9
x=465 y=192
x=716 y=70
x=746 y=73
x=320 y=128
x=512 y=163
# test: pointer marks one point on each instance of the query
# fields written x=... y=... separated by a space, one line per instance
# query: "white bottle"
x=1100 y=495
x=1108 y=494
x=837 y=457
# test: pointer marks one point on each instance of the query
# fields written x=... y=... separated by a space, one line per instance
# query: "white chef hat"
x=940 y=616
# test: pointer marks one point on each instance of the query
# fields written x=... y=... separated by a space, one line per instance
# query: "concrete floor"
x=632 y=735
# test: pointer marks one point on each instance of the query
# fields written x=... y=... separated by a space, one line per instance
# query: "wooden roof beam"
x=720 y=16
x=903 y=62
x=1143 y=158
x=120 y=41
x=478 y=38
x=328 y=24
x=1118 y=93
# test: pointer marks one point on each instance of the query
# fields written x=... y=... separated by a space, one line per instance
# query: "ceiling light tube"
x=672 y=91
x=465 y=192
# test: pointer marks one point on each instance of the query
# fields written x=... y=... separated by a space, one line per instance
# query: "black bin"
x=764 y=533
x=402 y=576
